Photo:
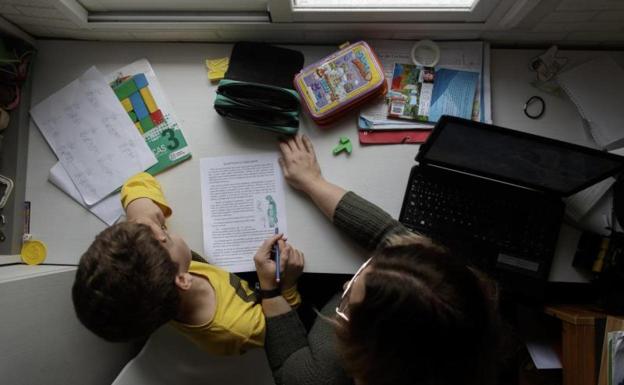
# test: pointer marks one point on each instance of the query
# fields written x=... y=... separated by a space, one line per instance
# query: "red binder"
x=393 y=136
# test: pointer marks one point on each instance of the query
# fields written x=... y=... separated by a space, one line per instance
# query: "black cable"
x=11 y=264
x=41 y=264
x=58 y=264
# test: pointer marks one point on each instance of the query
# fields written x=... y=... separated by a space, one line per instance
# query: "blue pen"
x=277 y=258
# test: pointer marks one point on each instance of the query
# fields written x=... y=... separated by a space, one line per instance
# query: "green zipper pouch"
x=269 y=107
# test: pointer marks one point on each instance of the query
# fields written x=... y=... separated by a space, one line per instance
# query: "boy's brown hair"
x=426 y=318
x=125 y=284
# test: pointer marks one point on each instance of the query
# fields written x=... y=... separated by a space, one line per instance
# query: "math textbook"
x=138 y=90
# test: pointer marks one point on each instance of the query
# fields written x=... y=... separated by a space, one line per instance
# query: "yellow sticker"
x=33 y=252
x=217 y=68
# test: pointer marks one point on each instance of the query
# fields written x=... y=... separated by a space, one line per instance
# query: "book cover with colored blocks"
x=138 y=88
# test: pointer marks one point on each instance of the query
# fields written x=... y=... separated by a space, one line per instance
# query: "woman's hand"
x=291 y=264
x=302 y=171
x=145 y=211
x=299 y=164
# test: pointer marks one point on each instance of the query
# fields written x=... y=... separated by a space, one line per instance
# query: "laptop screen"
x=516 y=157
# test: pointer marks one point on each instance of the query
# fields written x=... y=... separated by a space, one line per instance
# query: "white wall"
x=42 y=341
x=571 y=22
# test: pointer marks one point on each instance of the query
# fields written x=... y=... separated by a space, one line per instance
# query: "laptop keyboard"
x=516 y=226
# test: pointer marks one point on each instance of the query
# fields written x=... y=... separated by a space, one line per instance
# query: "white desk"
x=378 y=173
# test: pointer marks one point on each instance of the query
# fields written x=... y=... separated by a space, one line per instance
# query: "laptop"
x=494 y=195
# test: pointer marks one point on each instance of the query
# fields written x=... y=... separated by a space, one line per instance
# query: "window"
x=380 y=4
x=195 y=11
x=472 y=13
x=173 y=5
x=475 y=11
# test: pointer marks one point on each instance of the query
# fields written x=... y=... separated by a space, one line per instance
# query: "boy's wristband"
x=265 y=294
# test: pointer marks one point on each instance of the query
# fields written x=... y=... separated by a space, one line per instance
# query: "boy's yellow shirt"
x=238 y=323
x=143 y=185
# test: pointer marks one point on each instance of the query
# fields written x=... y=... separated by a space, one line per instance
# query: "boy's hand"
x=298 y=162
x=265 y=266
x=145 y=211
x=291 y=261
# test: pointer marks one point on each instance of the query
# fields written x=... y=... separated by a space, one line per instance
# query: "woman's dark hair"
x=125 y=284
x=426 y=318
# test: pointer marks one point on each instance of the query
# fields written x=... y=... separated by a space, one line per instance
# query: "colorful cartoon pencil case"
x=340 y=82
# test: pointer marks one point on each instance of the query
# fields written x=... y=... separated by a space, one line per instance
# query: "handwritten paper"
x=92 y=136
x=242 y=204
x=108 y=210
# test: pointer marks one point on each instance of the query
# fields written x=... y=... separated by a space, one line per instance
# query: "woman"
x=412 y=314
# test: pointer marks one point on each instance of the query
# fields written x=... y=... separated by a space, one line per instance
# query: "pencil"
x=277 y=258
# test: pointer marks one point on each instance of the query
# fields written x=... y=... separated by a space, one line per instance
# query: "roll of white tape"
x=425 y=53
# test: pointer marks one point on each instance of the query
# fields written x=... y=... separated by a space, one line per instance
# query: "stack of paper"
x=461 y=56
x=103 y=138
x=597 y=89
x=97 y=145
x=109 y=209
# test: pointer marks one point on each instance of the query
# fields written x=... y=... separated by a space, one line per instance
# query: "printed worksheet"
x=92 y=135
x=242 y=205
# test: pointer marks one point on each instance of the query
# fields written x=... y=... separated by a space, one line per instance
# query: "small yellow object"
x=344 y=45
x=138 y=125
x=217 y=68
x=127 y=104
x=33 y=252
x=148 y=99
x=599 y=262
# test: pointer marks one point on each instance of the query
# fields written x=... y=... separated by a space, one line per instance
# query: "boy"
x=136 y=276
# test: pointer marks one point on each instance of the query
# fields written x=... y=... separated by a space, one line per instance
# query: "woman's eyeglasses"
x=343 y=306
